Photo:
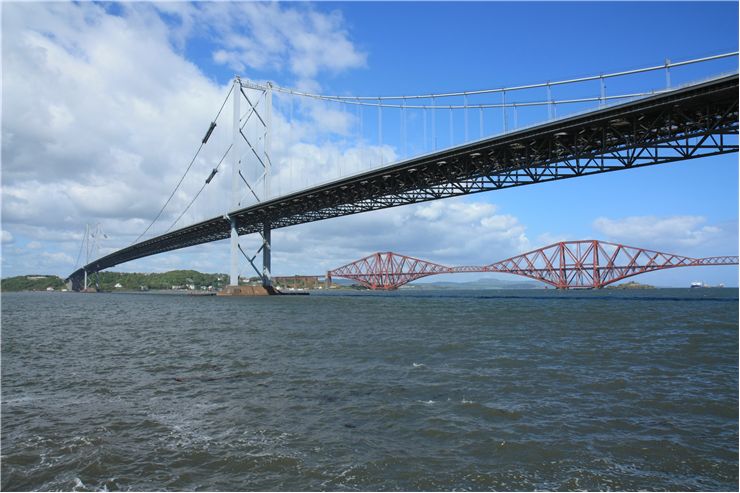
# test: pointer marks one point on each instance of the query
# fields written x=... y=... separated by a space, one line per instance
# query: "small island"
x=630 y=285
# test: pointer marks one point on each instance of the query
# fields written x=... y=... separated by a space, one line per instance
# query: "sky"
x=104 y=106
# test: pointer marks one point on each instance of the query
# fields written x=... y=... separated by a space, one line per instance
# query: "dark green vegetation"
x=31 y=283
x=176 y=279
x=630 y=285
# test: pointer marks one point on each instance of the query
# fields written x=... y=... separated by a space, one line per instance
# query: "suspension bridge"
x=517 y=145
x=583 y=264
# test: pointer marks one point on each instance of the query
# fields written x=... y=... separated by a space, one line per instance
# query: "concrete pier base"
x=247 y=291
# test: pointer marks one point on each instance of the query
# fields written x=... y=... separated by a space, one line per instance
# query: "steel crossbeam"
x=688 y=123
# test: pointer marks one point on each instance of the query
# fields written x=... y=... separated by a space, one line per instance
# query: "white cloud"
x=102 y=113
x=682 y=235
x=645 y=231
x=57 y=258
x=452 y=232
x=7 y=237
x=296 y=38
x=547 y=239
x=127 y=111
x=98 y=109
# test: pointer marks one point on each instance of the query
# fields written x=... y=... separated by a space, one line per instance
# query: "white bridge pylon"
x=251 y=167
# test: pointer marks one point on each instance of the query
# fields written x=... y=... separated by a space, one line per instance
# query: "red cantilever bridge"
x=583 y=264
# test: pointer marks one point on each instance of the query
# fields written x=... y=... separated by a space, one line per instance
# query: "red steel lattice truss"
x=583 y=264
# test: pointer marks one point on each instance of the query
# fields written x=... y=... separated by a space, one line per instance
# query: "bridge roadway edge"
x=490 y=164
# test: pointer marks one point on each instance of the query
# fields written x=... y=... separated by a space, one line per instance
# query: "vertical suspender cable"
x=380 y=130
x=452 y=129
x=344 y=117
x=79 y=254
x=403 y=126
x=290 y=143
x=466 y=118
x=425 y=148
x=434 y=124
x=480 y=115
x=503 y=95
x=358 y=133
x=667 y=74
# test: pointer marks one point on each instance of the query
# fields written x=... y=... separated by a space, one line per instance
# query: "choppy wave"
x=417 y=391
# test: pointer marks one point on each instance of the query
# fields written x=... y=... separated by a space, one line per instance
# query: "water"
x=476 y=390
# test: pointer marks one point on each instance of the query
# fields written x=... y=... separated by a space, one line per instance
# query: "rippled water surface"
x=478 y=390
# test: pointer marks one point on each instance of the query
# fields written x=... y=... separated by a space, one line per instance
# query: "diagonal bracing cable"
x=192 y=161
x=201 y=189
x=79 y=254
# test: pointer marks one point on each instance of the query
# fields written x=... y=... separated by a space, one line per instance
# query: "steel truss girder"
x=387 y=270
x=688 y=123
x=584 y=264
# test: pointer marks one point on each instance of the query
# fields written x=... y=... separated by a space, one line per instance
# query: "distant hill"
x=160 y=280
x=479 y=284
x=126 y=280
x=35 y=282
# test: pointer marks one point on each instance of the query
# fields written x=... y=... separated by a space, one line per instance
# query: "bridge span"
x=583 y=264
x=675 y=125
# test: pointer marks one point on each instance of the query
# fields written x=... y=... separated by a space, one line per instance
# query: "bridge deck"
x=676 y=125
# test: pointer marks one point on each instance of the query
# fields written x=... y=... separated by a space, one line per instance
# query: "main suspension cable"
x=664 y=66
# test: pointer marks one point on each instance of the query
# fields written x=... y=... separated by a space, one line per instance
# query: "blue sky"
x=137 y=84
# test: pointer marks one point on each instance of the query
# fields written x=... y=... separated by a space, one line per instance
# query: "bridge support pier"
x=266 y=255
x=265 y=276
x=234 y=272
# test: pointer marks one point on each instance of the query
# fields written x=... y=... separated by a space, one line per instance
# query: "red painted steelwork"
x=583 y=264
x=387 y=270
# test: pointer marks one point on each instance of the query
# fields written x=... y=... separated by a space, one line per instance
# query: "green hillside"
x=630 y=285
x=163 y=280
x=31 y=283
x=128 y=281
